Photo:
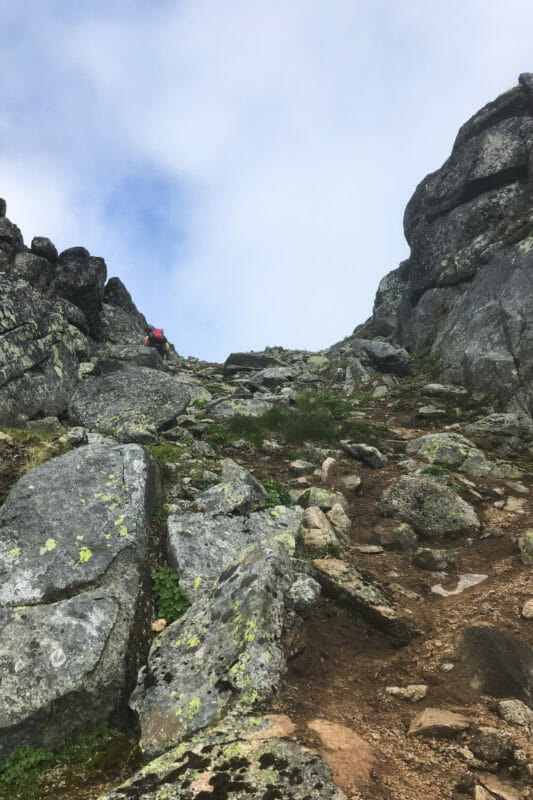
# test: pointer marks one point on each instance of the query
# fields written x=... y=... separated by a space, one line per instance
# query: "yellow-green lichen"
x=85 y=555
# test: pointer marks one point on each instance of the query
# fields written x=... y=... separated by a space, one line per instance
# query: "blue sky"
x=242 y=165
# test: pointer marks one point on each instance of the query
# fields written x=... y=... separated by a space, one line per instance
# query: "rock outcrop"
x=465 y=290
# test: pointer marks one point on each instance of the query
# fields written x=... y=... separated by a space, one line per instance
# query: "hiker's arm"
x=146 y=341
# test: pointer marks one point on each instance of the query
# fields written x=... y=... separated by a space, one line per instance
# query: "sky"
x=242 y=165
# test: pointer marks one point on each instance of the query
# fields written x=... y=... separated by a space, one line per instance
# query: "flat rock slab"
x=131 y=399
x=74 y=538
x=65 y=522
x=238 y=491
x=239 y=758
x=438 y=723
x=348 y=586
x=464 y=582
x=199 y=547
x=225 y=654
x=253 y=407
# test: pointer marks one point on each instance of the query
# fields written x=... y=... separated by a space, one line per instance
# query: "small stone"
x=430 y=412
x=527 y=609
x=351 y=482
x=159 y=625
x=314 y=517
x=464 y=582
x=447 y=666
x=526 y=547
x=327 y=466
x=439 y=723
x=339 y=519
x=369 y=549
x=304 y=592
x=301 y=467
x=413 y=693
x=515 y=712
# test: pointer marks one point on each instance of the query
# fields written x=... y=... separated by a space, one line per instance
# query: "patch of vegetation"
x=27 y=774
x=166 y=454
x=277 y=493
x=316 y=417
x=171 y=600
x=437 y=468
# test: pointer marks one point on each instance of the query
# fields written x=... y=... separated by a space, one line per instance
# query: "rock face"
x=465 y=290
x=73 y=542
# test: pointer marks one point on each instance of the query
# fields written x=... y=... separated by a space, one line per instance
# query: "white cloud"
x=290 y=137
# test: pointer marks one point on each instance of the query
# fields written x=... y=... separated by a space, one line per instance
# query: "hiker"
x=156 y=338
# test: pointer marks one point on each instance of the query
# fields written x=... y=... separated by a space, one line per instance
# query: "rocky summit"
x=293 y=575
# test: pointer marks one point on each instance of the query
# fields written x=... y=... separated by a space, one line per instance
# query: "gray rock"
x=430 y=412
x=432 y=508
x=237 y=491
x=44 y=248
x=37 y=271
x=435 y=560
x=80 y=278
x=38 y=354
x=301 y=467
x=525 y=544
x=441 y=390
x=394 y=536
x=74 y=538
x=454 y=450
x=119 y=356
x=465 y=289
x=492 y=745
x=199 y=547
x=383 y=356
x=254 y=407
x=244 y=754
x=322 y=498
x=135 y=398
x=515 y=712
x=304 y=592
x=272 y=377
x=225 y=654
x=236 y=362
x=76 y=437
x=369 y=455
x=498 y=663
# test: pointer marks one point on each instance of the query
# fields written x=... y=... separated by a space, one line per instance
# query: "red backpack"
x=157 y=335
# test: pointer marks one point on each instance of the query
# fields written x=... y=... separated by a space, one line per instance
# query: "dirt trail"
x=343 y=666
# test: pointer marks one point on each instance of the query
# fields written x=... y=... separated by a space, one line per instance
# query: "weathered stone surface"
x=135 y=398
x=445 y=391
x=253 y=407
x=38 y=354
x=42 y=246
x=454 y=450
x=37 y=271
x=381 y=355
x=432 y=508
x=247 y=361
x=526 y=547
x=465 y=289
x=224 y=655
x=438 y=723
x=74 y=536
x=515 y=712
x=464 y=582
x=393 y=535
x=238 y=490
x=199 y=547
x=436 y=560
x=369 y=455
x=351 y=589
x=304 y=592
x=301 y=467
x=325 y=500
x=246 y=757
x=272 y=377
x=498 y=663
x=80 y=278
x=413 y=693
x=119 y=356
x=492 y=745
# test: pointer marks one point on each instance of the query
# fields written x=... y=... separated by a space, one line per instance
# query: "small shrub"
x=278 y=494
x=171 y=600
x=21 y=768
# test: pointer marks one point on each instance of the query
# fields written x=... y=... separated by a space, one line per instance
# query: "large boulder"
x=465 y=290
x=38 y=353
x=130 y=401
x=200 y=546
x=224 y=655
x=248 y=757
x=80 y=278
x=429 y=505
x=74 y=539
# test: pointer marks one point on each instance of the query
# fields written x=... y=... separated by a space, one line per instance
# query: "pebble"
x=527 y=609
x=369 y=549
x=464 y=582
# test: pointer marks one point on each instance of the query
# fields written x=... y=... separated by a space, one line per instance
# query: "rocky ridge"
x=352 y=529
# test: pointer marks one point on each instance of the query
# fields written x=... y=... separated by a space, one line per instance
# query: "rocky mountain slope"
x=352 y=530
